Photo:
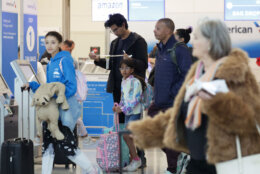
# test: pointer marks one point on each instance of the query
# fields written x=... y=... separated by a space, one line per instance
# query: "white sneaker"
x=97 y=170
x=133 y=166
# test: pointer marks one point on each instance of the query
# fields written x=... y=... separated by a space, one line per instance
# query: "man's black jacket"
x=137 y=48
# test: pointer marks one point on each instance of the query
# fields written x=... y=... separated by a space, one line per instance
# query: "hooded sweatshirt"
x=55 y=74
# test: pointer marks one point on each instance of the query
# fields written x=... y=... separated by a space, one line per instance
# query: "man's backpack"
x=82 y=88
x=173 y=54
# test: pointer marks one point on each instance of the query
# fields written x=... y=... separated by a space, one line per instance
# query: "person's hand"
x=126 y=56
x=114 y=109
x=93 y=56
x=26 y=86
x=117 y=109
x=204 y=95
x=152 y=61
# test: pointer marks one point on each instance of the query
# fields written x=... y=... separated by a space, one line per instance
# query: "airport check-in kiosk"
x=26 y=113
x=97 y=108
x=5 y=98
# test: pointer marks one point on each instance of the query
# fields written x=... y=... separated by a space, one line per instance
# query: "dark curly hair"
x=116 y=19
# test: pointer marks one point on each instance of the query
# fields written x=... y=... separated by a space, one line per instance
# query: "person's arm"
x=184 y=62
x=141 y=56
x=131 y=100
x=34 y=86
x=69 y=74
x=102 y=63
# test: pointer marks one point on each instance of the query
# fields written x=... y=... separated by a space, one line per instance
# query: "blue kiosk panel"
x=97 y=109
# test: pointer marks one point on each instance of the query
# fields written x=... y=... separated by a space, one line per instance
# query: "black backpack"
x=174 y=60
x=173 y=54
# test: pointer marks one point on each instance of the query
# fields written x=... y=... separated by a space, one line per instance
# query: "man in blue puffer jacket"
x=167 y=79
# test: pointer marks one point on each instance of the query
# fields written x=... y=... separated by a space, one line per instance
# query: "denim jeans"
x=132 y=117
x=69 y=117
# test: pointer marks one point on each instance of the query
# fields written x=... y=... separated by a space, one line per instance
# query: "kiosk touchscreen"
x=24 y=71
x=5 y=98
x=26 y=113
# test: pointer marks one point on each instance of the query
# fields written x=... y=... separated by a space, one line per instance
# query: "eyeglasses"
x=125 y=68
x=114 y=30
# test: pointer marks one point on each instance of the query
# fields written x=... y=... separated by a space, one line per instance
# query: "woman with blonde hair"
x=202 y=123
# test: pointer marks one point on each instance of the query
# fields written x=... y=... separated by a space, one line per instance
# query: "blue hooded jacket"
x=55 y=74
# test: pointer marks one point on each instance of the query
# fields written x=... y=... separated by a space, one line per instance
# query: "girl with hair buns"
x=183 y=35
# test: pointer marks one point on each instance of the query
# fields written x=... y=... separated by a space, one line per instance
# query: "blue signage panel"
x=97 y=109
x=146 y=10
x=241 y=10
x=30 y=39
x=252 y=48
x=41 y=46
x=9 y=46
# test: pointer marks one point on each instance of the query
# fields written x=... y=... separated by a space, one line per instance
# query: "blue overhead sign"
x=30 y=39
x=9 y=45
x=144 y=10
x=242 y=10
x=30 y=32
x=9 y=40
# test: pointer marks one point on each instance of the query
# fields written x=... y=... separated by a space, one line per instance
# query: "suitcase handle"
x=22 y=139
x=24 y=88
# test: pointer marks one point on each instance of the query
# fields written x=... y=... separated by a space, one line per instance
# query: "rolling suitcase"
x=60 y=158
x=11 y=123
x=124 y=147
x=108 y=149
x=17 y=156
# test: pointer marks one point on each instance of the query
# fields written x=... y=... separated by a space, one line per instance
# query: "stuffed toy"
x=47 y=107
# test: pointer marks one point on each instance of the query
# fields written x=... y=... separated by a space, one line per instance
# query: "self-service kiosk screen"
x=28 y=72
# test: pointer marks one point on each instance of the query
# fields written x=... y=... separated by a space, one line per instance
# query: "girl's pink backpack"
x=82 y=88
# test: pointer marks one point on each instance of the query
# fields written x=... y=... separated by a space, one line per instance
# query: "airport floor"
x=156 y=161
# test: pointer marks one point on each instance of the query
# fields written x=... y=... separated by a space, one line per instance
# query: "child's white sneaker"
x=133 y=166
x=96 y=170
